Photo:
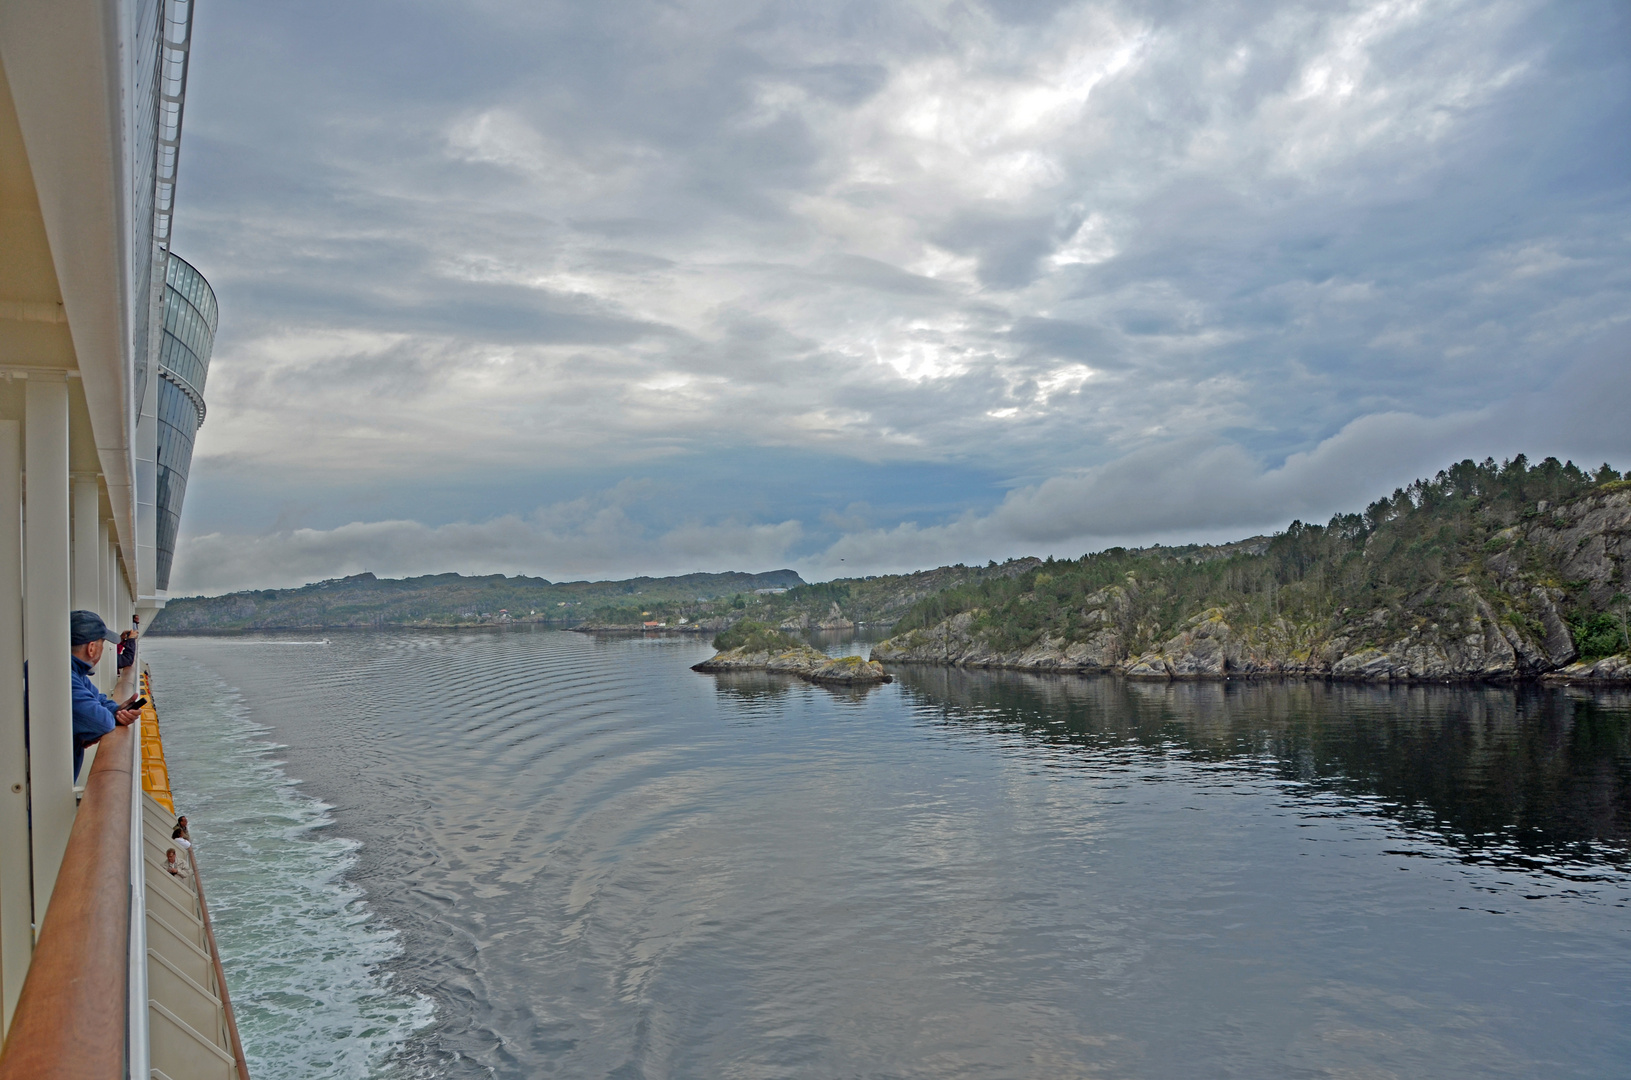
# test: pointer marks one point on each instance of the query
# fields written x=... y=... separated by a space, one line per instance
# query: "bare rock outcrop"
x=954 y=641
x=1590 y=538
x=1610 y=669
x=1469 y=642
x=835 y=621
x=1210 y=647
x=802 y=661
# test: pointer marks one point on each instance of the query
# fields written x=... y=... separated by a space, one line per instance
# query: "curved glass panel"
x=184 y=360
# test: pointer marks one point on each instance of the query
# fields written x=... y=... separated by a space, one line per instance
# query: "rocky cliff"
x=1439 y=583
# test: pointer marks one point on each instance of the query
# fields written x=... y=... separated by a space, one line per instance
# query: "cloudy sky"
x=589 y=290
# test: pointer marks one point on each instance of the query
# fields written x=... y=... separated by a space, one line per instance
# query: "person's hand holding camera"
x=128 y=713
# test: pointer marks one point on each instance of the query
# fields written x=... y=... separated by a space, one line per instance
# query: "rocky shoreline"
x=1480 y=649
x=1609 y=671
x=1501 y=619
x=803 y=661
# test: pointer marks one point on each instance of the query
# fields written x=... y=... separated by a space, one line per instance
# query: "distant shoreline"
x=549 y=624
x=241 y=631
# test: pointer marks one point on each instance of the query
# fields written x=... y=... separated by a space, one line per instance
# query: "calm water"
x=539 y=854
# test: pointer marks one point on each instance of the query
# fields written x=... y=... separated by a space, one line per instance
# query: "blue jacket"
x=93 y=712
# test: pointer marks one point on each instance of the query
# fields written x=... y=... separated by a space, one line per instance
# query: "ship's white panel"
x=186 y=1021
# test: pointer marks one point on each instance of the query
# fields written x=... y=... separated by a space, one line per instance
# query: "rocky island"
x=1487 y=572
x=751 y=646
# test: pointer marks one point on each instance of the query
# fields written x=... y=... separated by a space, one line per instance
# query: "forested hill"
x=364 y=600
x=694 y=602
x=1486 y=571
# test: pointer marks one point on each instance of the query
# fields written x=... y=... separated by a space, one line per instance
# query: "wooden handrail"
x=220 y=976
x=70 y=1018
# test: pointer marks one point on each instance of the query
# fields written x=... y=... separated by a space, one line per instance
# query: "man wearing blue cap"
x=96 y=714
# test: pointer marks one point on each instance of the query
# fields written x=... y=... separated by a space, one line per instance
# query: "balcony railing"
x=126 y=978
x=72 y=1016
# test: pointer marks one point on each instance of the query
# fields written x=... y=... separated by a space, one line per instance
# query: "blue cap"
x=87 y=626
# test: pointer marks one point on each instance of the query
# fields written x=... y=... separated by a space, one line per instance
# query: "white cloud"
x=1205 y=489
x=1174 y=490
x=581 y=237
x=591 y=537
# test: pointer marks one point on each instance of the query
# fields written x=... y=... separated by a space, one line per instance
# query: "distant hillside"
x=832 y=605
x=447 y=600
x=692 y=602
x=876 y=601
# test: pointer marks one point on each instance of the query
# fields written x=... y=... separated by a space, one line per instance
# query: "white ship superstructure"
x=107 y=963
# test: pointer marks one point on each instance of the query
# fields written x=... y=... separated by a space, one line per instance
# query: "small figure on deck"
x=95 y=713
x=176 y=868
x=179 y=833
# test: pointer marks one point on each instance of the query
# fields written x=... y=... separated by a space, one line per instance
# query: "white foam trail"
x=304 y=955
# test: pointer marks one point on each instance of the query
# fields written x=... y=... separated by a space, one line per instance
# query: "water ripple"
x=306 y=955
x=600 y=864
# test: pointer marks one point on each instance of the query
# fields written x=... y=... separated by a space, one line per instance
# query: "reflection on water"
x=599 y=863
x=763 y=686
x=1523 y=775
x=754 y=686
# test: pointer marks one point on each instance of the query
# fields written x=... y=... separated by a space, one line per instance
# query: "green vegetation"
x=823 y=593
x=878 y=600
x=1405 y=560
x=1597 y=636
x=1479 y=545
x=1603 y=633
x=755 y=637
x=702 y=602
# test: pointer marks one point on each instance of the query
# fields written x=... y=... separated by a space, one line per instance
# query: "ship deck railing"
x=126 y=978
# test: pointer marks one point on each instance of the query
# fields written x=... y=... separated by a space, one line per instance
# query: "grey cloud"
x=1204 y=488
x=857 y=271
x=505 y=313
x=1024 y=11
x=1175 y=490
x=1064 y=339
x=1009 y=249
x=585 y=538
x=845 y=84
x=508 y=236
